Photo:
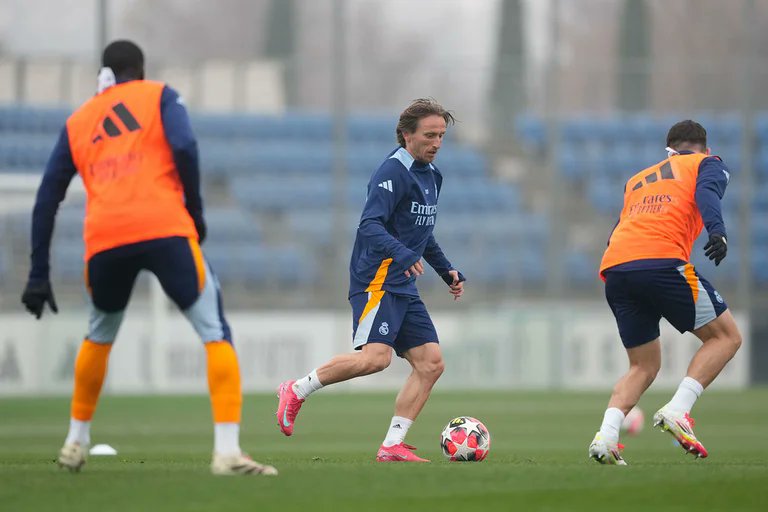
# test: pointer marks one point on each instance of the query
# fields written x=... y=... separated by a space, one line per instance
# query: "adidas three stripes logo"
x=386 y=185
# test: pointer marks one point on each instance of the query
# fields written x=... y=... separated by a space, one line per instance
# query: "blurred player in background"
x=395 y=231
x=134 y=149
x=648 y=276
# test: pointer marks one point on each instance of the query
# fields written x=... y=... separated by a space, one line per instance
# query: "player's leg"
x=697 y=307
x=417 y=343
x=638 y=323
x=189 y=281
x=376 y=320
x=109 y=278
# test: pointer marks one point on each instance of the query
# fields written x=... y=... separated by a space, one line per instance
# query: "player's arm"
x=437 y=260
x=59 y=172
x=711 y=183
x=178 y=133
x=379 y=208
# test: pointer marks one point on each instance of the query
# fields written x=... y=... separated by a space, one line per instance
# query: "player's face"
x=426 y=140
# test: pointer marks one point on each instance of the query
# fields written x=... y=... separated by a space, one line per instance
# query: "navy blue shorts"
x=183 y=273
x=400 y=321
x=640 y=298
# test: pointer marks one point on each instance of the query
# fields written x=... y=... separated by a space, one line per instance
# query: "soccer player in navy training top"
x=395 y=231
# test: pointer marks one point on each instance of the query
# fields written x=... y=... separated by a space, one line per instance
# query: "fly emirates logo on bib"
x=654 y=204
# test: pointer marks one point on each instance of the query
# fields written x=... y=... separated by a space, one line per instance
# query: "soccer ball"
x=633 y=421
x=465 y=439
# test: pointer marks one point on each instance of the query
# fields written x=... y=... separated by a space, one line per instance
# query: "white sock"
x=611 y=424
x=226 y=438
x=398 y=427
x=686 y=395
x=307 y=385
x=79 y=432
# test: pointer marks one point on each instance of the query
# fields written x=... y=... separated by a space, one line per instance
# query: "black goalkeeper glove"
x=448 y=278
x=35 y=295
x=716 y=248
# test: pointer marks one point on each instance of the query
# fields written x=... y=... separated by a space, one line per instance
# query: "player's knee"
x=734 y=340
x=375 y=363
x=648 y=369
x=432 y=368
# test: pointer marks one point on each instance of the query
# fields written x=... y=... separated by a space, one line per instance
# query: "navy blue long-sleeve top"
x=396 y=226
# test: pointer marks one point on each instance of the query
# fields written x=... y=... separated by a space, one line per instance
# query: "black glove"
x=35 y=295
x=202 y=229
x=716 y=248
x=448 y=278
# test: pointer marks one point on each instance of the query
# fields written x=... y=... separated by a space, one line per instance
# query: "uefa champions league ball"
x=633 y=421
x=465 y=439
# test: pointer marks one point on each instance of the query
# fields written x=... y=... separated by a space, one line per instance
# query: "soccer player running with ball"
x=648 y=276
x=134 y=149
x=395 y=231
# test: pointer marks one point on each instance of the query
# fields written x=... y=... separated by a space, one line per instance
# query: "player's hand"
x=716 y=248
x=416 y=269
x=456 y=286
x=35 y=295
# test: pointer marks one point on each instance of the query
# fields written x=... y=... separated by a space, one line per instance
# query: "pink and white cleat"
x=287 y=407
x=680 y=425
x=398 y=453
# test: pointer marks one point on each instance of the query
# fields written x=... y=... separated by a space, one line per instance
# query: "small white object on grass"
x=102 y=449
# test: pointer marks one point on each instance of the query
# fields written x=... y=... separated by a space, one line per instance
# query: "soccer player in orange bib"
x=133 y=147
x=648 y=276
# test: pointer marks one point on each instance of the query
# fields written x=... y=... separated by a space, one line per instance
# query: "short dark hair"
x=124 y=57
x=686 y=131
x=419 y=109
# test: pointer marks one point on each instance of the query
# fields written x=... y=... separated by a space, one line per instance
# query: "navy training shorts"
x=400 y=321
x=640 y=298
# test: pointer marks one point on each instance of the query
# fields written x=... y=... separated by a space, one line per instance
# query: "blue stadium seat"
x=531 y=131
x=512 y=267
x=281 y=194
x=581 y=268
x=231 y=225
x=258 y=266
x=25 y=119
x=67 y=262
x=316 y=228
x=606 y=197
x=760 y=263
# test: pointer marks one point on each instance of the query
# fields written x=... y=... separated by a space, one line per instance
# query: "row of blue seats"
x=606 y=195
x=285 y=194
x=240 y=262
x=722 y=128
x=29 y=153
x=296 y=126
x=578 y=162
x=246 y=262
x=225 y=225
x=223 y=158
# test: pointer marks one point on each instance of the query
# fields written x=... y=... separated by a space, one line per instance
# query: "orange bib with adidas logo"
x=133 y=189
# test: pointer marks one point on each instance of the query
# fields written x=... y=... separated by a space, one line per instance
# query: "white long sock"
x=307 y=385
x=79 y=432
x=398 y=427
x=226 y=438
x=611 y=424
x=686 y=395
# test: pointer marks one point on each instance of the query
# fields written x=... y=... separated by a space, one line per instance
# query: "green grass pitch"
x=537 y=462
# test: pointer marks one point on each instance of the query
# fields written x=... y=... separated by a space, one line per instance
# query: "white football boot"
x=606 y=452
x=72 y=456
x=680 y=425
x=239 y=465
